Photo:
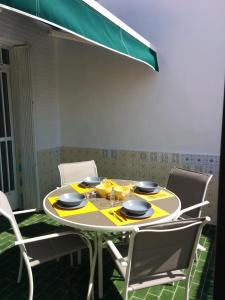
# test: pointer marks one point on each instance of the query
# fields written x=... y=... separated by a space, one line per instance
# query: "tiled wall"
x=48 y=161
x=125 y=164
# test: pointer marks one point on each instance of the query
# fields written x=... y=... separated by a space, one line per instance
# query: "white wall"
x=16 y=29
x=108 y=101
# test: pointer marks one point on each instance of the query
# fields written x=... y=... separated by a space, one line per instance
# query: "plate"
x=155 y=191
x=92 y=181
x=71 y=199
x=129 y=215
x=146 y=186
x=136 y=206
x=82 y=204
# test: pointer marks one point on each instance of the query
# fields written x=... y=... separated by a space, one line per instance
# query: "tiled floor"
x=60 y=281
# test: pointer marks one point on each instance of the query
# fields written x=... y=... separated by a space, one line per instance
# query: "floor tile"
x=57 y=280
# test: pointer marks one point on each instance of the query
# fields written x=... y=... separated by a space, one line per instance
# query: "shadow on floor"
x=57 y=280
x=52 y=280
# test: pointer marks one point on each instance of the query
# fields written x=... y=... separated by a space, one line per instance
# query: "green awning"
x=88 y=20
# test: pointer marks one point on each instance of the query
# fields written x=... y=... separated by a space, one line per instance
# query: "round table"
x=97 y=222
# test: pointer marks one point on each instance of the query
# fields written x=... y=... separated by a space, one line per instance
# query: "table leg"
x=100 y=267
x=93 y=259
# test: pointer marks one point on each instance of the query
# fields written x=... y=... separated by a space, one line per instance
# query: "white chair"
x=77 y=171
x=41 y=249
x=74 y=172
x=191 y=188
x=158 y=254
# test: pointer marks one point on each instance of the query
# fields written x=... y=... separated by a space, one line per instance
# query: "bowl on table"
x=136 y=206
x=92 y=181
x=70 y=199
x=102 y=190
x=146 y=186
x=105 y=187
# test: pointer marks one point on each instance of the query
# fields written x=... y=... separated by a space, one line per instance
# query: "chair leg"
x=20 y=269
x=187 y=287
x=30 y=277
x=79 y=257
x=201 y=248
x=125 y=294
x=126 y=288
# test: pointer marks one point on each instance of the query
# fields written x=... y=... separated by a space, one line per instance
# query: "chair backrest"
x=190 y=187
x=77 y=171
x=163 y=248
x=6 y=211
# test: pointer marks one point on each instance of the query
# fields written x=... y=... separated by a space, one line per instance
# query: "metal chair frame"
x=202 y=202
x=127 y=263
x=24 y=255
x=196 y=206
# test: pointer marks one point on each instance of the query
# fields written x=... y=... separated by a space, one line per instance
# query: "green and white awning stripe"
x=88 y=20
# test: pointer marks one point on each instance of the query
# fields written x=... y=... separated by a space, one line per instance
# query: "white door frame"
x=11 y=194
x=23 y=105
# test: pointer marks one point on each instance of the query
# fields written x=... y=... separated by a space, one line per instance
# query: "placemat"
x=81 y=190
x=160 y=195
x=118 y=219
x=89 y=207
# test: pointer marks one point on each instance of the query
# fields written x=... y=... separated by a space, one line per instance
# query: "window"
x=4 y=56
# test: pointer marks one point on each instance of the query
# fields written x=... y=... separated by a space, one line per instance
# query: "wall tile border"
x=137 y=165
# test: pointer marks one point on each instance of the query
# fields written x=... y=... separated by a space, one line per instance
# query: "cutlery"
x=116 y=216
x=124 y=218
